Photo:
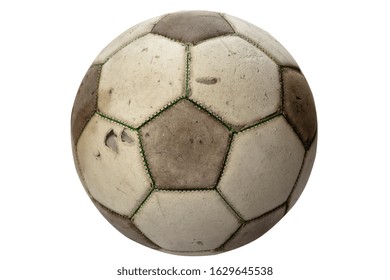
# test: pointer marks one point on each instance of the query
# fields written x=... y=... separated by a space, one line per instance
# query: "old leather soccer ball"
x=194 y=132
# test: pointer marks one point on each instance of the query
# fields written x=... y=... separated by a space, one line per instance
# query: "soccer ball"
x=194 y=132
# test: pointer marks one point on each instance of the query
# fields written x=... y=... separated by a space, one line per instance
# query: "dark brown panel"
x=193 y=26
x=85 y=103
x=299 y=105
x=125 y=226
x=185 y=147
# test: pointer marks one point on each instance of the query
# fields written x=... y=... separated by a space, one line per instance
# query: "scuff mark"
x=110 y=141
x=122 y=191
x=160 y=208
x=97 y=155
x=125 y=137
x=230 y=51
x=208 y=80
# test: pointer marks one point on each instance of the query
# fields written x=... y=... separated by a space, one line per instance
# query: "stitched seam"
x=132 y=217
x=160 y=19
x=284 y=204
x=281 y=82
x=295 y=68
x=145 y=161
x=98 y=87
x=240 y=219
x=295 y=130
x=221 y=248
x=309 y=144
x=264 y=120
x=188 y=72
x=184 y=190
x=216 y=37
x=219 y=191
x=181 y=252
x=218 y=118
x=116 y=121
x=227 y=21
x=181 y=189
x=169 y=38
x=227 y=153
x=159 y=112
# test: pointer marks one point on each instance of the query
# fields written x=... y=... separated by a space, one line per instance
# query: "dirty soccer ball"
x=194 y=132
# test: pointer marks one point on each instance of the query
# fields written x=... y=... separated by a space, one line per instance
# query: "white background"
x=339 y=229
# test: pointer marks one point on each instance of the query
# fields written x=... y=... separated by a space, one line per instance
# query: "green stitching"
x=281 y=82
x=222 y=247
x=145 y=162
x=132 y=217
x=116 y=121
x=187 y=78
x=166 y=189
x=235 y=212
x=218 y=118
x=231 y=136
x=262 y=121
x=166 y=107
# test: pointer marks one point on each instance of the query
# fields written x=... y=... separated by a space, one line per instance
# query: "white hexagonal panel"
x=263 y=39
x=126 y=37
x=188 y=221
x=234 y=79
x=262 y=167
x=112 y=166
x=141 y=79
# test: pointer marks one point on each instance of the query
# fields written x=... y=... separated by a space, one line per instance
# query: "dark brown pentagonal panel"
x=85 y=103
x=185 y=147
x=124 y=225
x=299 y=105
x=192 y=26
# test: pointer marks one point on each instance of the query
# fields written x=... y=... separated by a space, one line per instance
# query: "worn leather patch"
x=299 y=105
x=185 y=147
